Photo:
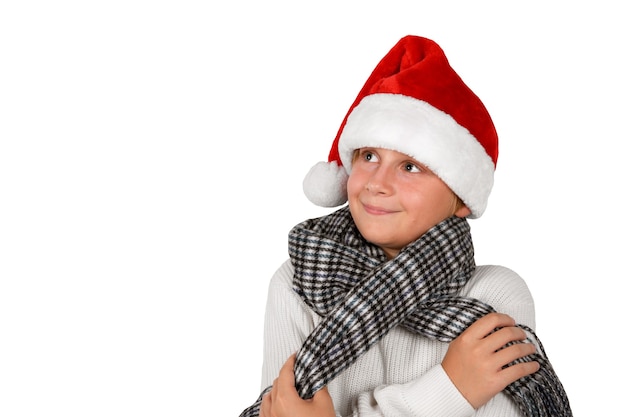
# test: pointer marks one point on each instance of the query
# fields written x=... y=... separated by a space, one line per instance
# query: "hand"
x=474 y=361
x=283 y=400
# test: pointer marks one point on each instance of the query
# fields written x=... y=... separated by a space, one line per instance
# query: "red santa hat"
x=415 y=103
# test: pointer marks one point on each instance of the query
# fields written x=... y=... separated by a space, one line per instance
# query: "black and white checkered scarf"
x=362 y=295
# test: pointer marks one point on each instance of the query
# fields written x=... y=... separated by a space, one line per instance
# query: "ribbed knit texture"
x=400 y=376
x=362 y=297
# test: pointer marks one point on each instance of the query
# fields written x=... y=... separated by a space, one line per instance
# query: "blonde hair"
x=457 y=203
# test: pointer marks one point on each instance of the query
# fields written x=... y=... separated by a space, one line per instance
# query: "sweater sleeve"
x=504 y=290
x=430 y=395
x=433 y=394
x=288 y=321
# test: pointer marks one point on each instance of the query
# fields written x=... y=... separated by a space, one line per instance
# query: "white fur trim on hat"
x=416 y=128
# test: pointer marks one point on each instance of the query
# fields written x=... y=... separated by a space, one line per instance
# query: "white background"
x=151 y=159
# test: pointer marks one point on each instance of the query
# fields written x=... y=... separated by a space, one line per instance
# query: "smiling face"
x=394 y=200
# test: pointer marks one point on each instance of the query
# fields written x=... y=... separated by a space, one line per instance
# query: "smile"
x=377 y=211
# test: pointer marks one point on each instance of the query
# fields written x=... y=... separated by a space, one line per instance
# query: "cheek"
x=354 y=185
x=426 y=203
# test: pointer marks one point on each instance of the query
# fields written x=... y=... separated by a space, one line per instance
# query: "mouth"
x=376 y=211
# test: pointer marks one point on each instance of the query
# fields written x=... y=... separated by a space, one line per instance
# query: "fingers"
x=322 y=399
x=266 y=405
x=502 y=334
x=286 y=374
x=502 y=337
x=477 y=360
x=482 y=327
x=491 y=333
x=508 y=354
x=283 y=399
x=283 y=390
x=519 y=370
x=290 y=362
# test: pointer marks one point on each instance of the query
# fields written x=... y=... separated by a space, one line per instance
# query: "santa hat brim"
x=430 y=136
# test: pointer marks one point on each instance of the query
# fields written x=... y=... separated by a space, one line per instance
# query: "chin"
x=377 y=239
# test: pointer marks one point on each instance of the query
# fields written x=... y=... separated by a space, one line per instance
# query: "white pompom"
x=325 y=184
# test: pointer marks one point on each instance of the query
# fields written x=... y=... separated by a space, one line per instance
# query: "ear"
x=462 y=211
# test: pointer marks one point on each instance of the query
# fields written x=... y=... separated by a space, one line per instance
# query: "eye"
x=411 y=167
x=369 y=156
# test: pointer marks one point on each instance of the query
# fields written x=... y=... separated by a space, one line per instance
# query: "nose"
x=379 y=181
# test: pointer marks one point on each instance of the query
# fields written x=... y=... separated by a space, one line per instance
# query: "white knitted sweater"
x=401 y=375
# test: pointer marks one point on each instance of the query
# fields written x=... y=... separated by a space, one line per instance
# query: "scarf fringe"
x=540 y=394
x=348 y=281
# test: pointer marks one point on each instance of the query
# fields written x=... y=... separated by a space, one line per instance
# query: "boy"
x=381 y=299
